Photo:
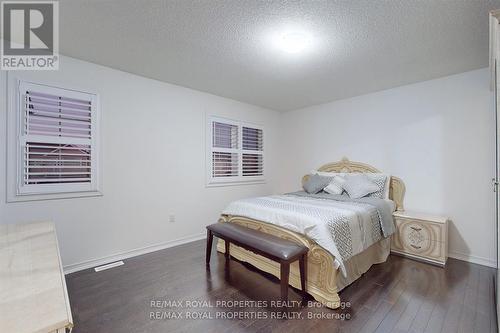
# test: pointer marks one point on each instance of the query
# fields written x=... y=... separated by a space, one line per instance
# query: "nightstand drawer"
x=419 y=247
x=433 y=251
x=416 y=229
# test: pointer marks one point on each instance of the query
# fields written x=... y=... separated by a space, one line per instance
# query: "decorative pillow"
x=359 y=185
x=380 y=180
x=335 y=186
x=316 y=183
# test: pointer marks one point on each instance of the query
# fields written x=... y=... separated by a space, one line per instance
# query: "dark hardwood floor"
x=400 y=295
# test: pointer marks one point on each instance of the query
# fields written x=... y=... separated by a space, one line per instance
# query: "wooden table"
x=33 y=296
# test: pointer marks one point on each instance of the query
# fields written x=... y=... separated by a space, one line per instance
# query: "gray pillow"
x=358 y=186
x=380 y=181
x=316 y=183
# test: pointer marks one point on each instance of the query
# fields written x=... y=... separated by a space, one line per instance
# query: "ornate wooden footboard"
x=321 y=271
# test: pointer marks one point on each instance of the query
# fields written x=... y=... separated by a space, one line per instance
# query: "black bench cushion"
x=272 y=245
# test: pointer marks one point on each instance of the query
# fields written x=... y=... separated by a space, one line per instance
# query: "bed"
x=327 y=274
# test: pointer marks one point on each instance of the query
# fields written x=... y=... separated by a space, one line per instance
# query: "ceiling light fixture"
x=293 y=42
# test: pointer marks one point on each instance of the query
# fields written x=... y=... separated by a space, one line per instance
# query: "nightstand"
x=421 y=236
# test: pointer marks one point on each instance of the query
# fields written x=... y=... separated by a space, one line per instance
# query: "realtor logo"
x=30 y=35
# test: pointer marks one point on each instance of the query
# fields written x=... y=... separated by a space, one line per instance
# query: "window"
x=235 y=153
x=57 y=140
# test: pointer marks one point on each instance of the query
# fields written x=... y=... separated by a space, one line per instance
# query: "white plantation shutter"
x=253 y=164
x=225 y=150
x=58 y=140
x=225 y=135
x=252 y=139
x=56 y=163
x=224 y=164
x=235 y=151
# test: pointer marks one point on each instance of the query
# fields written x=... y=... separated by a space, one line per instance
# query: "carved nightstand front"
x=420 y=236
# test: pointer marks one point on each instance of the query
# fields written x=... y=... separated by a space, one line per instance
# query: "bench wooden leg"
x=210 y=238
x=303 y=272
x=226 y=243
x=285 y=273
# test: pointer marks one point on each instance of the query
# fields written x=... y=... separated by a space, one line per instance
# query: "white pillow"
x=335 y=186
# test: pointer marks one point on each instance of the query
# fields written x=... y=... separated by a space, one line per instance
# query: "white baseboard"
x=132 y=253
x=473 y=259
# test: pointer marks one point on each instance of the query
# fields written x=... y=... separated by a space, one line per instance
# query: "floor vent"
x=108 y=266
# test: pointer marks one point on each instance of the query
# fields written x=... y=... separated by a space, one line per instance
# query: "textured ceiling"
x=223 y=47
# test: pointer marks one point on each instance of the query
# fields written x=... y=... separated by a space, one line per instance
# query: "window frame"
x=239 y=179
x=17 y=190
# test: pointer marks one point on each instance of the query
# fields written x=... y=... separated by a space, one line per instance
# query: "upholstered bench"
x=266 y=245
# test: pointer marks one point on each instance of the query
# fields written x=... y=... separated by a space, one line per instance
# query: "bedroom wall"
x=438 y=136
x=153 y=165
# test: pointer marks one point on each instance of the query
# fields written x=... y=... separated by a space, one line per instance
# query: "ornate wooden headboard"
x=396 y=187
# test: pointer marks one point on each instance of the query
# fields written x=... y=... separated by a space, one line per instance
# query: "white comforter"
x=344 y=228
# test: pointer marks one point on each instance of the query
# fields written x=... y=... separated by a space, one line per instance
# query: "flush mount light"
x=293 y=42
